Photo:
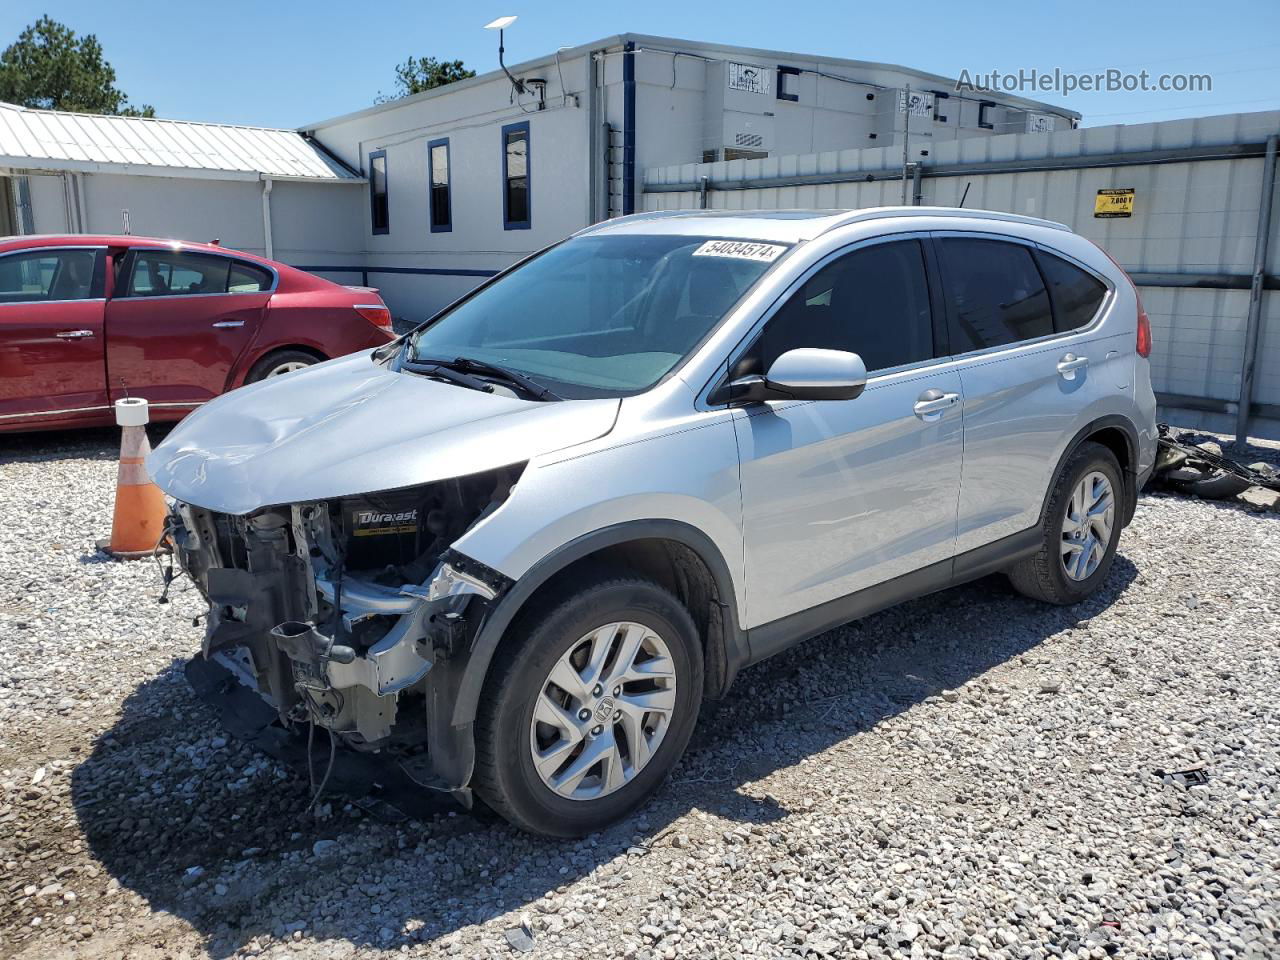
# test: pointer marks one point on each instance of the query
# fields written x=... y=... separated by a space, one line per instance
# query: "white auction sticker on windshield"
x=740 y=250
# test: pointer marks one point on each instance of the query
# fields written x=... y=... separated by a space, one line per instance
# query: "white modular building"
x=465 y=179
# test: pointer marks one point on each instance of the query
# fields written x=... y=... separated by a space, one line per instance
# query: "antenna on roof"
x=965 y=194
x=501 y=25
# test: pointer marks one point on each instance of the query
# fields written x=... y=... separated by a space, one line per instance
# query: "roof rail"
x=877 y=213
x=636 y=217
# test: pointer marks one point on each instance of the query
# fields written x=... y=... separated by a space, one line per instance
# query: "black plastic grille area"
x=230 y=542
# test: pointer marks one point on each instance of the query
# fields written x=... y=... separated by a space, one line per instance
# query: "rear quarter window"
x=247 y=278
x=1076 y=294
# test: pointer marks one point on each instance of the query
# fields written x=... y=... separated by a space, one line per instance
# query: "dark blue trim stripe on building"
x=629 y=129
x=418 y=271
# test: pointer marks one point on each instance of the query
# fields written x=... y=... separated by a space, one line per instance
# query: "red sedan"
x=85 y=320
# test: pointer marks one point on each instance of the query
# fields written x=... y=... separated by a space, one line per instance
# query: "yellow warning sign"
x=1114 y=202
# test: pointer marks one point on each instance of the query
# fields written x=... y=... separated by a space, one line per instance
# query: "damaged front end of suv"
x=321 y=517
x=347 y=613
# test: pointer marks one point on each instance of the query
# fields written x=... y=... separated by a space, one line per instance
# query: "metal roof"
x=57 y=140
x=646 y=43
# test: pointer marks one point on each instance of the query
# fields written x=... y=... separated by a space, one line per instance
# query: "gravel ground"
x=969 y=775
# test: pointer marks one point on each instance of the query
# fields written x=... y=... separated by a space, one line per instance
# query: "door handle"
x=1069 y=364
x=226 y=324
x=931 y=404
x=73 y=334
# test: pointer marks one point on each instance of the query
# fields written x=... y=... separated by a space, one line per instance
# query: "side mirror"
x=807 y=373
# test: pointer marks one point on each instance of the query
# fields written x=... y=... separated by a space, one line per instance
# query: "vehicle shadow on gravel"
x=213 y=831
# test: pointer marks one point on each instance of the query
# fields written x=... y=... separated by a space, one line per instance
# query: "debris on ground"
x=1188 y=463
x=1192 y=777
x=519 y=939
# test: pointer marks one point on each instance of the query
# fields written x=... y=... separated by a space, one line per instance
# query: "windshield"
x=600 y=316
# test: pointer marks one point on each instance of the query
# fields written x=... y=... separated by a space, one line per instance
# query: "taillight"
x=377 y=314
x=1144 y=328
x=1144 y=323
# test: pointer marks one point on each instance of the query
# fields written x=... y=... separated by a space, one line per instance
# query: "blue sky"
x=286 y=63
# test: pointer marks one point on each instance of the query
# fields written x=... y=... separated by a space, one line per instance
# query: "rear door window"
x=994 y=293
x=1076 y=295
x=163 y=273
x=873 y=301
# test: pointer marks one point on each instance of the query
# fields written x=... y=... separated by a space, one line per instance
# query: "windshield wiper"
x=443 y=372
x=483 y=367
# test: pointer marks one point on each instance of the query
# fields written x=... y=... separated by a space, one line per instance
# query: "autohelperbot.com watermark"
x=1064 y=83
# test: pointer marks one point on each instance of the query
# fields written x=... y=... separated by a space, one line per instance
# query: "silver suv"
x=514 y=550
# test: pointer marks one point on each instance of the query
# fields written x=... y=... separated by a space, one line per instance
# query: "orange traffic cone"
x=140 y=510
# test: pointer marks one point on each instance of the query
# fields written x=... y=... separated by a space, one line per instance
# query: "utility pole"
x=906 y=132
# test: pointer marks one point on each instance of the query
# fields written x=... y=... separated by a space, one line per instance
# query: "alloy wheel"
x=1087 y=527
x=289 y=366
x=603 y=711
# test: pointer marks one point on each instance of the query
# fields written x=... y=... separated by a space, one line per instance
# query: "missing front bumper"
x=379 y=666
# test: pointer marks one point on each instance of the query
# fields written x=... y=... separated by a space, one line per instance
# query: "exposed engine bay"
x=349 y=613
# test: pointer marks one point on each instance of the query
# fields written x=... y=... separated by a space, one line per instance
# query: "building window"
x=789 y=84
x=983 y=107
x=939 y=97
x=441 y=199
x=379 y=210
x=515 y=176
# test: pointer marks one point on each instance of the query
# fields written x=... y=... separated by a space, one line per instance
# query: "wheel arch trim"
x=494 y=626
x=1129 y=474
x=253 y=354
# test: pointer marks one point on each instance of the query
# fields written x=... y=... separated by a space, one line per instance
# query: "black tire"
x=277 y=358
x=505 y=776
x=1215 y=485
x=1042 y=576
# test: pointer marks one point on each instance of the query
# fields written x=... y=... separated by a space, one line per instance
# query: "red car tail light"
x=1144 y=329
x=1144 y=322
x=377 y=314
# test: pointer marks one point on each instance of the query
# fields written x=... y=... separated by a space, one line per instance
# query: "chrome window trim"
x=794 y=287
x=36 y=303
x=58 y=246
x=61 y=246
x=275 y=275
x=192 y=296
x=1091 y=327
x=51 y=413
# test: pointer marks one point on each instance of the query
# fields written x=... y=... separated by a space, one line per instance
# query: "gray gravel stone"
x=901 y=787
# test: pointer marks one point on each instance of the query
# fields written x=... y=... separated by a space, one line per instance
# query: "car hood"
x=351 y=426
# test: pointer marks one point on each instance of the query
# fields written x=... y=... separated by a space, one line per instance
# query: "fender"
x=1126 y=427
x=495 y=624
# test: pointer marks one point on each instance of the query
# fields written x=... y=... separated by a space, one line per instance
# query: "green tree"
x=422 y=73
x=50 y=67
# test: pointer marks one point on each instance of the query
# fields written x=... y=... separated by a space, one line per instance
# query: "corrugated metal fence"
x=1191 y=243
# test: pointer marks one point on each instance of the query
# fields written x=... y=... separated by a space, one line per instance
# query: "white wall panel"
x=1193 y=217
